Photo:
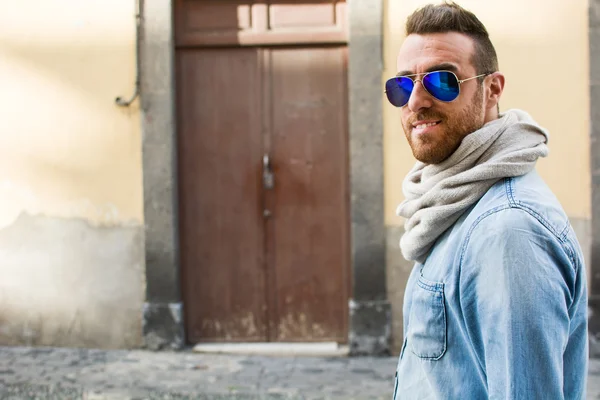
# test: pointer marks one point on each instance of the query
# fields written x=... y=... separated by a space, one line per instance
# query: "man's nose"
x=419 y=98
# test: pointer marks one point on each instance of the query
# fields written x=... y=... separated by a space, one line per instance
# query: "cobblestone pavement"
x=65 y=374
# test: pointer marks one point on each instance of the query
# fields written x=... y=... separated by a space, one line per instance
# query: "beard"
x=437 y=147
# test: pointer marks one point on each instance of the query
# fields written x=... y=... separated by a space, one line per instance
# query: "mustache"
x=424 y=116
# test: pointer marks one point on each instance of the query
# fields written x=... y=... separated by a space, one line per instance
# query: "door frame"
x=369 y=310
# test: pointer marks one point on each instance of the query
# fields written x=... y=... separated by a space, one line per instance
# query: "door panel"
x=308 y=242
x=234 y=105
x=221 y=224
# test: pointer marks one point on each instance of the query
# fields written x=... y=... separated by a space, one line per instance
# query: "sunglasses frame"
x=460 y=81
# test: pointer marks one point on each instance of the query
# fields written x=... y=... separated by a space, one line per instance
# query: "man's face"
x=435 y=129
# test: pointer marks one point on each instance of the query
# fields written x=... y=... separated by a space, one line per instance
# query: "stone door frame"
x=370 y=315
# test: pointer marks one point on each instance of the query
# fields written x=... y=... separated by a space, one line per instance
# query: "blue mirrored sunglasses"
x=443 y=85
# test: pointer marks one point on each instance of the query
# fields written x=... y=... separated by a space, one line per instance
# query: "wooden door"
x=262 y=263
x=308 y=231
x=220 y=207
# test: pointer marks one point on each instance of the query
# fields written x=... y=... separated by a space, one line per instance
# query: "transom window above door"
x=250 y=23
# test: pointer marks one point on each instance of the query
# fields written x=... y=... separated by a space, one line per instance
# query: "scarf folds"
x=436 y=195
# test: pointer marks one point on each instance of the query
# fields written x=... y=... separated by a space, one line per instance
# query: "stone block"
x=370 y=328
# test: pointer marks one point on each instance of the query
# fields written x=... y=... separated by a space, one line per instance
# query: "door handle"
x=268 y=176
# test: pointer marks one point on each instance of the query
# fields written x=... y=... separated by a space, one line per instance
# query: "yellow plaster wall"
x=66 y=149
x=542 y=48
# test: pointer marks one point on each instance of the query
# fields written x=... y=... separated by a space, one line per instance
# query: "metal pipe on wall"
x=120 y=101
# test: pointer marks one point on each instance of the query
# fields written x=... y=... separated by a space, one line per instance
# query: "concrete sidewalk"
x=48 y=373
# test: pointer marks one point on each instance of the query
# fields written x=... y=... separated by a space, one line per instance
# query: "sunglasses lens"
x=442 y=85
x=398 y=90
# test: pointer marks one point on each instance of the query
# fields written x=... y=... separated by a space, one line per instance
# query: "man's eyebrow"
x=404 y=73
x=437 y=67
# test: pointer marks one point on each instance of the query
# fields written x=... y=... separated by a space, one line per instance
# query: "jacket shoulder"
x=530 y=194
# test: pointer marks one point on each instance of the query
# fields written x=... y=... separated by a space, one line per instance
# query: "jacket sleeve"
x=517 y=282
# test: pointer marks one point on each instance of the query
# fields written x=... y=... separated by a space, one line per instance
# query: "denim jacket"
x=499 y=308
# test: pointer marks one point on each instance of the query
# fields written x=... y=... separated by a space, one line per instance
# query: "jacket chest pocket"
x=427 y=321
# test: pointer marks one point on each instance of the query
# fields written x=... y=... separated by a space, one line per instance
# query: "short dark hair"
x=450 y=17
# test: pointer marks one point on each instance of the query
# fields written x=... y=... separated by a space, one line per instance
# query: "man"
x=496 y=305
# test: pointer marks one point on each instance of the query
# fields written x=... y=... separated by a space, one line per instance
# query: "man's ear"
x=495 y=86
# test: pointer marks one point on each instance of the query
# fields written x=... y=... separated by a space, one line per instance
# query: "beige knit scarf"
x=436 y=195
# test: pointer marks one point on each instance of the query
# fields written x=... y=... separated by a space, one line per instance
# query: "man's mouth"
x=423 y=125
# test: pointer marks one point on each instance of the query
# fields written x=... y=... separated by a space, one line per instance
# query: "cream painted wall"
x=71 y=208
x=542 y=47
x=66 y=149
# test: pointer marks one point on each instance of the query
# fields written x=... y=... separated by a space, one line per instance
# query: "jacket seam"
x=512 y=203
x=561 y=236
x=508 y=185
